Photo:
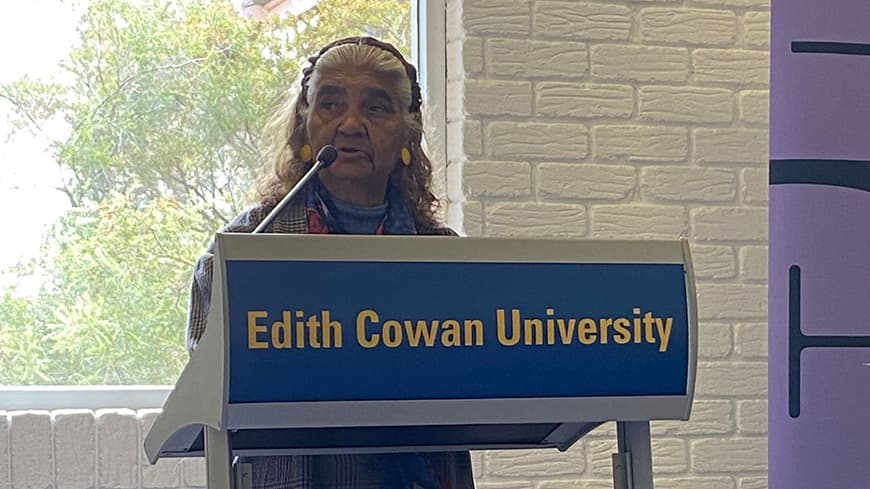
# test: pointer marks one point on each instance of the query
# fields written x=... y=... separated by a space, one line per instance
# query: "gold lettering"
x=501 y=327
x=587 y=331
x=254 y=329
x=362 y=318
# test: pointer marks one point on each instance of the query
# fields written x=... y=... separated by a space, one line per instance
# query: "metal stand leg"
x=632 y=465
x=218 y=459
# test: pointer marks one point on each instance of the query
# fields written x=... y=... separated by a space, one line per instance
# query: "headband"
x=416 y=98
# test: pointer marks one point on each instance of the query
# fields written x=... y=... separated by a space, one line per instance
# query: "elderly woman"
x=360 y=96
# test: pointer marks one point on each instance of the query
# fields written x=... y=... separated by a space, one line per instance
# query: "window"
x=121 y=160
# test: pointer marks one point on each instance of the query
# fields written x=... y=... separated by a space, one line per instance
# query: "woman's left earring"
x=305 y=153
x=406 y=157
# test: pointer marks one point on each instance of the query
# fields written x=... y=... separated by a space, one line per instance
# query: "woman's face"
x=358 y=112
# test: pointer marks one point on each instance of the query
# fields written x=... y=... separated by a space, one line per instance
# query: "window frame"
x=429 y=52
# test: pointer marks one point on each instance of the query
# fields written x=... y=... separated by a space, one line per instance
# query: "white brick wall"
x=630 y=119
x=585 y=119
x=83 y=449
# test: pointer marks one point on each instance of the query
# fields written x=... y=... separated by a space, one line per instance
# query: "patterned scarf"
x=321 y=212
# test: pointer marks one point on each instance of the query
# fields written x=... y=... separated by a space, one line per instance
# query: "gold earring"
x=406 y=157
x=305 y=153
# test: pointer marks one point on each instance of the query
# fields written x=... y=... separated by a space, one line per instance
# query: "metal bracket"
x=622 y=470
x=243 y=474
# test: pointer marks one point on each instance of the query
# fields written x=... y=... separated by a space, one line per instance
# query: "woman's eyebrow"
x=379 y=93
x=331 y=90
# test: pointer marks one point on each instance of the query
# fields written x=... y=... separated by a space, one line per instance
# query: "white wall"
x=630 y=119
x=615 y=119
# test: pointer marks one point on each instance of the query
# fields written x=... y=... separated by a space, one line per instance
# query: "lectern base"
x=218 y=459
x=632 y=465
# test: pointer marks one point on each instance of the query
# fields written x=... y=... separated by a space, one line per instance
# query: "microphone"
x=325 y=157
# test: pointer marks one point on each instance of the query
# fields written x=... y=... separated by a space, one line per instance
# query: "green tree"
x=164 y=105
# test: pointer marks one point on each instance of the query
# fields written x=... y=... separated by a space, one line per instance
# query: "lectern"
x=362 y=344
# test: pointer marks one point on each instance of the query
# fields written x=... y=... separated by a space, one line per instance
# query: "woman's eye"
x=328 y=105
x=379 y=109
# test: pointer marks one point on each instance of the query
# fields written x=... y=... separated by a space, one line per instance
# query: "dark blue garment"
x=397 y=218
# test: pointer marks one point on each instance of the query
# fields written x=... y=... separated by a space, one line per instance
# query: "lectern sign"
x=313 y=330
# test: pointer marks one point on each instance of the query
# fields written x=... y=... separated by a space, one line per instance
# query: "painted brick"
x=714 y=340
x=731 y=145
x=166 y=473
x=685 y=104
x=688 y=26
x=473 y=218
x=669 y=456
x=455 y=31
x=640 y=63
x=560 y=99
x=754 y=186
x=605 y=430
x=472 y=138
x=193 y=470
x=733 y=3
x=477 y=463
x=735 y=455
x=736 y=66
x=708 y=418
x=754 y=106
x=753 y=263
x=496 y=17
x=582 y=20
x=472 y=56
x=752 y=483
x=695 y=483
x=727 y=379
x=534 y=140
x=514 y=484
x=730 y=223
x=523 y=58
x=750 y=340
x=30 y=439
x=756 y=30
x=600 y=460
x=752 y=417
x=535 y=463
x=497 y=179
x=712 y=262
x=455 y=100
x=576 y=484
x=688 y=184
x=75 y=448
x=5 y=468
x=638 y=221
x=586 y=182
x=535 y=220
x=118 y=448
x=732 y=301
x=491 y=97
x=641 y=143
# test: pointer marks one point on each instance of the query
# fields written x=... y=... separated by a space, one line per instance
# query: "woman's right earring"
x=305 y=153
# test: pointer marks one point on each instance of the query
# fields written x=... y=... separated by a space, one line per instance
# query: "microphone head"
x=327 y=155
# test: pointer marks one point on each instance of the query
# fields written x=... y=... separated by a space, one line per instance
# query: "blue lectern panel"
x=344 y=331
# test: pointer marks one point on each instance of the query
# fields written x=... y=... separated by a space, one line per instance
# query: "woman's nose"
x=351 y=124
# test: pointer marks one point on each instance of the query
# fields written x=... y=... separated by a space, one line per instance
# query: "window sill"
x=48 y=398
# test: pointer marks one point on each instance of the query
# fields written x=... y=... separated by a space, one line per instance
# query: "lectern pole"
x=218 y=459
x=633 y=439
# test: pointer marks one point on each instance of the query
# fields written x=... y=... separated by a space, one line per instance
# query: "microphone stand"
x=325 y=157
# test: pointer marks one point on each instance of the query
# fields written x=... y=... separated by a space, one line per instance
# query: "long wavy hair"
x=285 y=132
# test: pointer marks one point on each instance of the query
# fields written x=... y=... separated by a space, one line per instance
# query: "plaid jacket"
x=452 y=469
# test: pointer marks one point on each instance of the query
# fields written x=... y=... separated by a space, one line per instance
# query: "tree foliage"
x=164 y=101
